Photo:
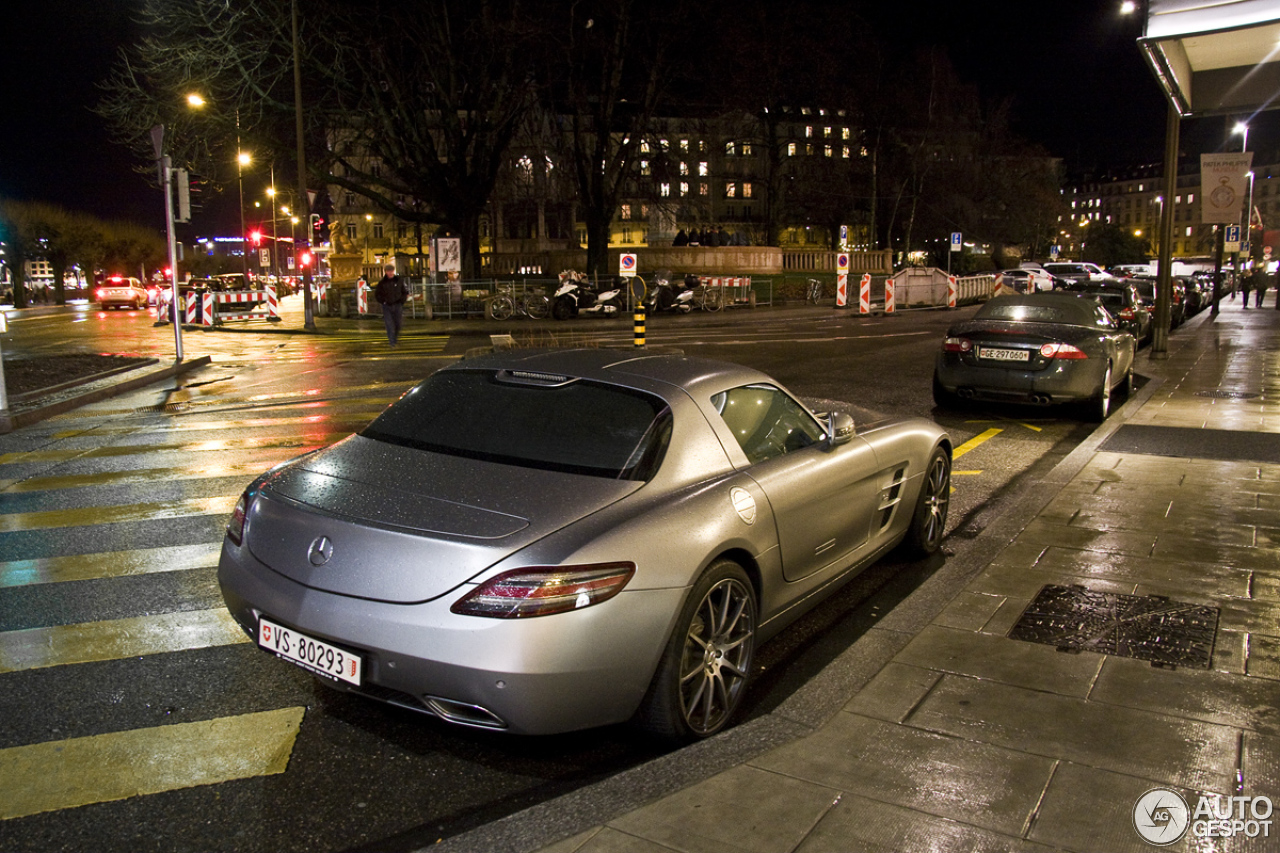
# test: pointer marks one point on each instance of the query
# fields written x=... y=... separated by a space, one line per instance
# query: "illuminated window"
x=746 y=149
x=730 y=149
x=731 y=190
x=808 y=132
x=644 y=167
x=702 y=169
x=845 y=152
x=684 y=188
x=351 y=231
x=684 y=145
x=746 y=190
x=664 y=190
x=626 y=211
x=844 y=133
x=826 y=150
x=791 y=149
x=684 y=168
x=704 y=188
x=826 y=132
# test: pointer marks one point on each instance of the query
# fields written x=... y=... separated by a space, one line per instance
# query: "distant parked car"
x=1024 y=280
x=1043 y=349
x=1075 y=270
x=1122 y=300
x=120 y=291
x=1147 y=289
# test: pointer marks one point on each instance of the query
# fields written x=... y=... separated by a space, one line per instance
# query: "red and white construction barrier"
x=889 y=307
x=864 y=294
x=1000 y=289
x=953 y=289
x=362 y=298
x=842 y=290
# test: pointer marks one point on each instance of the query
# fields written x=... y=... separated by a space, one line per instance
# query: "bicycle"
x=505 y=304
x=813 y=294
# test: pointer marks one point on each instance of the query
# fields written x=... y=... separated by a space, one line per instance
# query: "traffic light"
x=304 y=258
x=256 y=237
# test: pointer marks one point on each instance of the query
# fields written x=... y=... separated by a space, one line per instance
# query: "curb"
x=11 y=420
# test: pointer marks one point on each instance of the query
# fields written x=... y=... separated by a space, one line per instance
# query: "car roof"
x=654 y=372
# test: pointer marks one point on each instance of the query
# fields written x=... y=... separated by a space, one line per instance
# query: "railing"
x=797 y=260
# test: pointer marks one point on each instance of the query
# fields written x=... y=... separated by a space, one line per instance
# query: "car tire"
x=1097 y=408
x=929 y=520
x=944 y=398
x=706 y=666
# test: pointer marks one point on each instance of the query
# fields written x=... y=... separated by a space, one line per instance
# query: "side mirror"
x=840 y=428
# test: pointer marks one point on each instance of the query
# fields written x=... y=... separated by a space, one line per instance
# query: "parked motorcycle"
x=666 y=296
x=576 y=296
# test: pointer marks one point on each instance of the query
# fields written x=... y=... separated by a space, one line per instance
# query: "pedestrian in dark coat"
x=391 y=294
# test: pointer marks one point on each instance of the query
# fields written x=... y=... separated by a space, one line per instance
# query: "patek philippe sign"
x=1224 y=186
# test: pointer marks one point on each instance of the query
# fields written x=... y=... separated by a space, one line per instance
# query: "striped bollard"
x=207 y=301
x=888 y=296
x=191 y=309
x=639 y=325
x=273 y=303
x=997 y=289
x=362 y=299
x=951 y=291
x=864 y=294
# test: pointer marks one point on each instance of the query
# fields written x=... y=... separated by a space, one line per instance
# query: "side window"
x=766 y=422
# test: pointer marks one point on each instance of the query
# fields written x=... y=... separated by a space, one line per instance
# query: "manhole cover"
x=1145 y=627
x=1229 y=395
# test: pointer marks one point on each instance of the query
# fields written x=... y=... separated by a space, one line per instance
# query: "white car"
x=1076 y=270
x=1025 y=280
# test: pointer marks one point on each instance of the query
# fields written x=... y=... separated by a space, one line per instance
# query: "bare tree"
x=429 y=101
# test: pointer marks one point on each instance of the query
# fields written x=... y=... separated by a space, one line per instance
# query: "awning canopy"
x=1215 y=56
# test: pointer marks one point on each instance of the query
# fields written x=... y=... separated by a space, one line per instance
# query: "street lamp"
x=368 y=226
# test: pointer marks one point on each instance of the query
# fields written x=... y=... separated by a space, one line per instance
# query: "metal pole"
x=309 y=317
x=1160 y=336
x=166 y=181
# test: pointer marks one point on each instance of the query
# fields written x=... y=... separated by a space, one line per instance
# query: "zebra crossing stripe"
x=108 y=564
x=45 y=777
x=86 y=516
x=117 y=639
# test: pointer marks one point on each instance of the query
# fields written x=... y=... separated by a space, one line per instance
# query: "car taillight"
x=1126 y=314
x=98 y=294
x=235 y=528
x=1061 y=351
x=542 y=591
x=957 y=345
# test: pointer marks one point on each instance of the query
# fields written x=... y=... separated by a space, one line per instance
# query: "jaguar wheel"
x=705 y=669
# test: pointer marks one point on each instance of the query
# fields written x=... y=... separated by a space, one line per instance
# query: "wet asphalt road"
x=123 y=689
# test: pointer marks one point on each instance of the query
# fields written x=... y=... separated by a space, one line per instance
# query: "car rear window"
x=532 y=420
x=1028 y=313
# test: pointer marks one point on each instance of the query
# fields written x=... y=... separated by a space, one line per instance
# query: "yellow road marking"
x=965 y=473
x=87 y=642
x=307 y=440
x=974 y=442
x=85 y=516
x=64 y=774
x=109 y=564
x=248 y=470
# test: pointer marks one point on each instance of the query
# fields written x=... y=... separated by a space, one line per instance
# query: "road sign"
x=844 y=236
x=1054 y=251
x=1233 y=234
x=842 y=262
x=627 y=265
x=956 y=241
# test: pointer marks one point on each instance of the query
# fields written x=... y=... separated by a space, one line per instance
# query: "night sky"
x=1078 y=83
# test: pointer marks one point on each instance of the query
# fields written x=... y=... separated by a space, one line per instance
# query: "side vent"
x=890 y=497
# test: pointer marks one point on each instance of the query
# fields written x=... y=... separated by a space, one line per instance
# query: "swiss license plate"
x=995 y=354
x=310 y=653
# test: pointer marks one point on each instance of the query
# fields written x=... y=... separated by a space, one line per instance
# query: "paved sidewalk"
x=949 y=735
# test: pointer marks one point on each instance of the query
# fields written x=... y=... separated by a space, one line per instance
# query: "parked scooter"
x=672 y=297
x=576 y=296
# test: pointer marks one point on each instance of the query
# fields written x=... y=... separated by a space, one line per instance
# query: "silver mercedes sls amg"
x=540 y=541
